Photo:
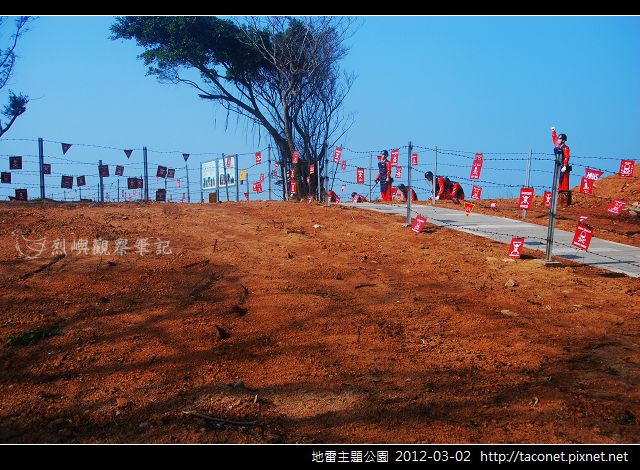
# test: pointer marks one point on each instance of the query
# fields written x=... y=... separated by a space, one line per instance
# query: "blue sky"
x=479 y=84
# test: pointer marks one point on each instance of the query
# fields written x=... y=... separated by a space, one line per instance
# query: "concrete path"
x=603 y=254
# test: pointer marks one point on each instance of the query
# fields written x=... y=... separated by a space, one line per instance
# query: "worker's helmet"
x=384 y=153
x=428 y=175
x=401 y=186
x=563 y=137
x=353 y=194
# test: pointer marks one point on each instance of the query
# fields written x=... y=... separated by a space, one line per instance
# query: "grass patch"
x=33 y=336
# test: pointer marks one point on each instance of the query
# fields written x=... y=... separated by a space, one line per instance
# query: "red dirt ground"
x=342 y=326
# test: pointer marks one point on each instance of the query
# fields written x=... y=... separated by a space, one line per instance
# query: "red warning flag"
x=526 y=198
x=15 y=163
x=617 y=206
x=178 y=183
x=414 y=158
x=592 y=174
x=582 y=237
x=398 y=172
x=261 y=177
x=228 y=162
x=586 y=186
x=493 y=205
x=515 y=248
x=295 y=156
x=344 y=164
x=546 y=198
x=476 y=168
x=360 y=176
x=258 y=158
x=246 y=195
x=311 y=169
x=418 y=223
x=394 y=157
x=626 y=167
x=342 y=188
x=258 y=187
x=292 y=187
x=468 y=207
x=336 y=154
x=476 y=191
x=128 y=152
x=65 y=147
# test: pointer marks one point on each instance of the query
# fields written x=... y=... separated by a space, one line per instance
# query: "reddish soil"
x=354 y=331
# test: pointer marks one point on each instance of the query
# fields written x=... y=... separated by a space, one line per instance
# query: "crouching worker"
x=445 y=188
x=401 y=194
x=357 y=198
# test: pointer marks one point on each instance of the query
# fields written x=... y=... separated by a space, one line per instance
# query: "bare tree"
x=17 y=104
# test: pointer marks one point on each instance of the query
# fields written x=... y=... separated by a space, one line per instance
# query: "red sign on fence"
x=394 y=157
x=295 y=156
x=586 y=186
x=414 y=158
x=398 y=172
x=311 y=169
x=258 y=187
x=476 y=168
x=178 y=183
x=476 y=191
x=626 y=167
x=582 y=237
x=546 y=198
x=258 y=158
x=344 y=164
x=582 y=218
x=526 y=198
x=617 y=206
x=228 y=162
x=515 y=248
x=493 y=205
x=336 y=154
x=468 y=207
x=292 y=187
x=261 y=177
x=360 y=176
x=418 y=223
x=592 y=174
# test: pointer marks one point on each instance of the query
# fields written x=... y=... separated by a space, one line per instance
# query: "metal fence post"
x=552 y=210
x=186 y=169
x=370 y=171
x=101 y=184
x=41 y=158
x=409 y=191
x=268 y=168
x=526 y=185
x=237 y=181
x=117 y=194
x=146 y=174
x=435 y=175
x=326 y=171
x=201 y=191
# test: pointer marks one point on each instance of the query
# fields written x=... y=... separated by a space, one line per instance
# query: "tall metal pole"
x=41 y=157
x=218 y=176
x=165 y=189
x=186 y=169
x=435 y=175
x=246 y=179
x=201 y=191
x=118 y=193
x=101 y=185
x=226 y=180
x=326 y=171
x=237 y=181
x=370 y=171
x=269 y=168
x=552 y=210
x=318 y=178
x=409 y=190
x=80 y=192
x=146 y=174
x=526 y=185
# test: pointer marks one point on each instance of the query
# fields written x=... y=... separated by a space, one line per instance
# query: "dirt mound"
x=294 y=322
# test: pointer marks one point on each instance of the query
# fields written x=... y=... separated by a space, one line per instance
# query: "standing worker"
x=561 y=150
x=384 y=176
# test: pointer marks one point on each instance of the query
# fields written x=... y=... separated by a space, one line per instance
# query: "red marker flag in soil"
x=119 y=170
x=546 y=198
x=171 y=172
x=128 y=153
x=246 y=196
x=344 y=164
x=586 y=186
x=65 y=147
x=258 y=158
x=493 y=205
x=81 y=181
x=515 y=248
x=468 y=207
x=46 y=168
x=261 y=177
x=418 y=223
x=592 y=174
x=336 y=154
x=178 y=183
x=476 y=168
x=292 y=187
x=103 y=170
x=526 y=198
x=161 y=172
x=398 y=172
x=295 y=156
x=312 y=169
x=626 y=167
x=15 y=163
x=394 y=157
x=6 y=177
x=161 y=195
x=582 y=237
x=21 y=195
x=476 y=191
x=414 y=158
x=67 y=182
x=617 y=206
x=360 y=176
x=258 y=188
x=185 y=156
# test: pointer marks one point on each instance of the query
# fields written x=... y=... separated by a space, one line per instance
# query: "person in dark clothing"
x=384 y=176
x=562 y=150
x=402 y=195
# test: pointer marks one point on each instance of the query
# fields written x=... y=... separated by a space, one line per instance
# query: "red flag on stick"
x=515 y=248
